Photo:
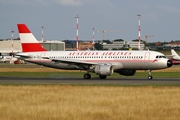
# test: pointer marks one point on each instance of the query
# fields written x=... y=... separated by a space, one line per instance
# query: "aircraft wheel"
x=150 y=77
x=87 y=76
x=102 y=76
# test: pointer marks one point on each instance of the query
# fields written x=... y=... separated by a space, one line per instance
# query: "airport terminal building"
x=50 y=45
x=57 y=45
x=123 y=44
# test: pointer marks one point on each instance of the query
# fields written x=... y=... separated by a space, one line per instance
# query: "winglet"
x=28 y=42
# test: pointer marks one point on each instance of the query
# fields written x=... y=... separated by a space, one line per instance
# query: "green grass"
x=80 y=75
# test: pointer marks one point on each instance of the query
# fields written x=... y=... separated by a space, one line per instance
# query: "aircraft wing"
x=72 y=61
x=84 y=64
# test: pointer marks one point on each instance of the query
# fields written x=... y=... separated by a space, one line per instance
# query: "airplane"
x=7 y=58
x=7 y=55
x=103 y=63
x=174 y=57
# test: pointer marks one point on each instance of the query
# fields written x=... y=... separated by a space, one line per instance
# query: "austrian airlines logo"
x=98 y=53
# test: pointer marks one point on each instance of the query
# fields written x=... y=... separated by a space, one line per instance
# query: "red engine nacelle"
x=175 y=62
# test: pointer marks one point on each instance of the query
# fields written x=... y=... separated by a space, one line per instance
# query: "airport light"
x=93 y=38
x=42 y=33
x=139 y=34
x=77 y=32
x=12 y=39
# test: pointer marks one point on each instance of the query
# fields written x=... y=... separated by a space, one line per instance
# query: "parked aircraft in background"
x=174 y=57
x=7 y=56
x=103 y=63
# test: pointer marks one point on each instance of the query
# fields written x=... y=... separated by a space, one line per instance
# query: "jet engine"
x=104 y=69
x=127 y=72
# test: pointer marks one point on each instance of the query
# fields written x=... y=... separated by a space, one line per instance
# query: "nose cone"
x=169 y=63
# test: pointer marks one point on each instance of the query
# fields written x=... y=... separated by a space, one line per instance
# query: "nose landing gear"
x=150 y=77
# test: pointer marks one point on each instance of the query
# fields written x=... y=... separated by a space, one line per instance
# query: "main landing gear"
x=88 y=76
x=149 y=75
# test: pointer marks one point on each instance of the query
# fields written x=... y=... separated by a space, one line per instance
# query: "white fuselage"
x=139 y=60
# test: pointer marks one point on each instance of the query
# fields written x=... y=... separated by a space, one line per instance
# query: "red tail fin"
x=28 y=42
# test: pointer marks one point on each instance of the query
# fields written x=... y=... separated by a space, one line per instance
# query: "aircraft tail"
x=28 y=42
x=173 y=52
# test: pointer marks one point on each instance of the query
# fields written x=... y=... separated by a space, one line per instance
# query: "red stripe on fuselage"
x=22 y=28
x=105 y=61
x=32 y=47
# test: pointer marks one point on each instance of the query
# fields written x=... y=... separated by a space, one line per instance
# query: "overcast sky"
x=158 y=17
